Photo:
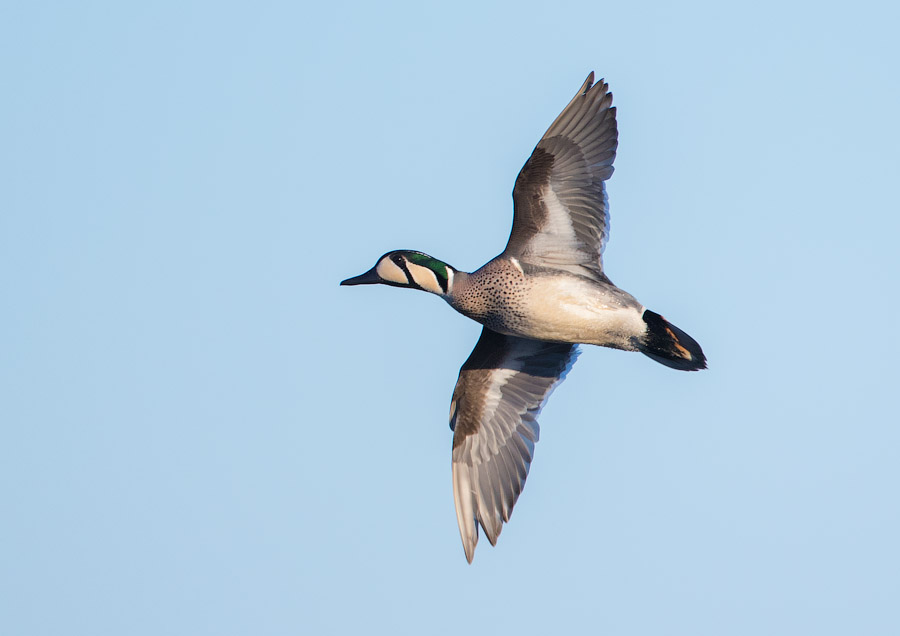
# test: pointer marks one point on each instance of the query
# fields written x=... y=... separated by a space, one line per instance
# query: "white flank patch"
x=425 y=278
x=389 y=271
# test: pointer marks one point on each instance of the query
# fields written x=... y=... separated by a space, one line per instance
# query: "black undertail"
x=669 y=345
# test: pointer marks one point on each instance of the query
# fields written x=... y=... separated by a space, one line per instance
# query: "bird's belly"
x=574 y=311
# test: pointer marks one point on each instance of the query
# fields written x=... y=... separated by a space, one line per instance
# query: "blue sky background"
x=203 y=434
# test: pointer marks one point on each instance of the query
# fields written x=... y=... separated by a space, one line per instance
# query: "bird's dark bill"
x=369 y=278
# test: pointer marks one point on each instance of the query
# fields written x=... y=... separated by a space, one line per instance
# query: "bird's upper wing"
x=561 y=212
x=500 y=391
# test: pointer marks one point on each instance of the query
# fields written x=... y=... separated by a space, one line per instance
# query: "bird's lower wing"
x=500 y=391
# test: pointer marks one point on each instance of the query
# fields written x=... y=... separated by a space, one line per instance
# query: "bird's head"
x=406 y=268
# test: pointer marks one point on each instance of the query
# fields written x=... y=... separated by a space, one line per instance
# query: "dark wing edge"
x=561 y=213
x=500 y=391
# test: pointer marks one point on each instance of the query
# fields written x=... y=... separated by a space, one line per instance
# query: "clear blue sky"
x=203 y=434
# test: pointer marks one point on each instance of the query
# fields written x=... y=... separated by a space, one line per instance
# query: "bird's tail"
x=669 y=345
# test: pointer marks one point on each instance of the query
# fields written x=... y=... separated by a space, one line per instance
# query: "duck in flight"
x=545 y=294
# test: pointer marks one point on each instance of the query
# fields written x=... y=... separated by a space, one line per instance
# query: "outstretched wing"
x=499 y=393
x=561 y=211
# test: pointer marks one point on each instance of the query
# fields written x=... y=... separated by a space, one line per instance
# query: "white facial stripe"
x=425 y=278
x=389 y=271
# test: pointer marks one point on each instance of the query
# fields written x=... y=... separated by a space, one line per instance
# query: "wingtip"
x=588 y=83
x=470 y=541
x=465 y=510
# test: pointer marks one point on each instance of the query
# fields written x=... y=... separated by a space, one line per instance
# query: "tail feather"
x=669 y=345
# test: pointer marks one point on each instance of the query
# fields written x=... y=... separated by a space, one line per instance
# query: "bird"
x=544 y=295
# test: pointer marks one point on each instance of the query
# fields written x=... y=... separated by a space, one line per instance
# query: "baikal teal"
x=542 y=296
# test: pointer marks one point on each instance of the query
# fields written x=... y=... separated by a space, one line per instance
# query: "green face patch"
x=438 y=267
